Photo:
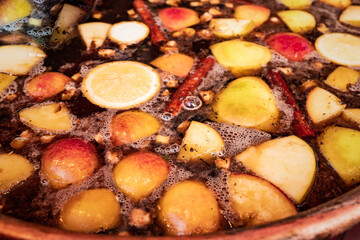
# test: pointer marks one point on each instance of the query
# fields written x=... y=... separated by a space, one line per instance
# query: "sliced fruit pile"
x=185 y=118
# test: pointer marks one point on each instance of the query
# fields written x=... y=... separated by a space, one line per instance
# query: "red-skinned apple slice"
x=292 y=46
x=257 y=201
x=176 y=18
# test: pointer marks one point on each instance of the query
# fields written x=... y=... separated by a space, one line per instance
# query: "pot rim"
x=324 y=221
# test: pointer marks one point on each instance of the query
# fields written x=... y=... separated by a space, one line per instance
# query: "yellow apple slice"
x=257 y=14
x=231 y=27
x=241 y=57
x=340 y=146
x=51 y=117
x=351 y=15
x=340 y=48
x=11 y=10
x=256 y=201
x=289 y=163
x=322 y=105
x=178 y=64
x=337 y=3
x=5 y=80
x=298 y=21
x=248 y=102
x=19 y=59
x=128 y=32
x=296 y=4
x=341 y=78
x=94 y=32
x=200 y=143
x=351 y=115
x=14 y=169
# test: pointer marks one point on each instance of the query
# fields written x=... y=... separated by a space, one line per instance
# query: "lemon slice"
x=340 y=48
x=128 y=32
x=121 y=84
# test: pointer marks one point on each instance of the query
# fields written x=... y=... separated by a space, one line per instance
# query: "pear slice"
x=94 y=32
x=14 y=169
x=322 y=105
x=256 y=201
x=19 y=59
x=231 y=27
x=351 y=115
x=51 y=117
x=298 y=21
x=340 y=146
x=289 y=163
x=201 y=143
x=351 y=15
x=5 y=80
x=337 y=3
x=342 y=77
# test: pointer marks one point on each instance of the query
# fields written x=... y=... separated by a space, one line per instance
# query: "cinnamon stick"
x=189 y=85
x=156 y=35
x=300 y=126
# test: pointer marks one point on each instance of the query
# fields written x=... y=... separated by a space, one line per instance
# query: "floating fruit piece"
x=91 y=211
x=341 y=78
x=298 y=21
x=256 y=201
x=68 y=161
x=130 y=126
x=241 y=57
x=289 y=163
x=188 y=208
x=340 y=146
x=340 y=48
x=121 y=84
x=296 y=4
x=11 y=10
x=230 y=27
x=51 y=117
x=352 y=115
x=94 y=33
x=351 y=15
x=201 y=143
x=337 y=3
x=14 y=169
x=248 y=102
x=322 y=105
x=257 y=14
x=128 y=32
x=19 y=59
x=176 y=18
x=137 y=175
x=6 y=80
x=178 y=64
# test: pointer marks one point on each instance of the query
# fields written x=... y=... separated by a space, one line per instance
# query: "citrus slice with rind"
x=340 y=48
x=128 y=32
x=121 y=84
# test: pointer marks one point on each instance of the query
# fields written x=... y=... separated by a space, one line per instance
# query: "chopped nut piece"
x=170 y=47
x=222 y=163
x=260 y=35
x=172 y=83
x=322 y=28
x=123 y=46
x=178 y=33
x=106 y=53
x=139 y=218
x=229 y=5
x=155 y=1
x=215 y=12
x=124 y=234
x=189 y=32
x=196 y=4
x=206 y=17
x=162 y=139
x=99 y=138
x=35 y=22
x=173 y=3
x=113 y=157
x=76 y=77
x=207 y=96
x=166 y=93
x=47 y=138
x=11 y=97
x=19 y=142
x=204 y=1
x=97 y=15
x=183 y=126
x=286 y=70
x=26 y=134
x=318 y=65
x=308 y=85
x=274 y=20
x=205 y=34
x=171 y=43
x=214 y=2
x=68 y=94
x=131 y=12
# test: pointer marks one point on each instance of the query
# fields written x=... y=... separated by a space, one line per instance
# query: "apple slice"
x=68 y=18
x=297 y=4
x=289 y=163
x=128 y=32
x=14 y=169
x=351 y=115
x=11 y=10
x=231 y=27
x=51 y=117
x=341 y=78
x=176 y=18
x=298 y=21
x=292 y=46
x=256 y=201
x=322 y=105
x=248 y=102
x=257 y=14
x=6 y=80
x=337 y=3
x=351 y=15
x=19 y=59
x=241 y=57
x=94 y=33
x=178 y=64
x=340 y=48
x=200 y=143
x=340 y=146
